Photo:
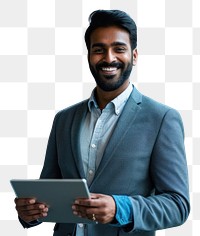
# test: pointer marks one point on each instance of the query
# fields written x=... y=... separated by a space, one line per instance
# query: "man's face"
x=111 y=57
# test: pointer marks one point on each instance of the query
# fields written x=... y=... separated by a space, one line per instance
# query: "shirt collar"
x=119 y=102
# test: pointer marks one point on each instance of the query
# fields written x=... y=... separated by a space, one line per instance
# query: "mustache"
x=112 y=64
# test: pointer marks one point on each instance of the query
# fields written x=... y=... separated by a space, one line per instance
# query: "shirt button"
x=90 y=172
x=93 y=145
x=80 y=225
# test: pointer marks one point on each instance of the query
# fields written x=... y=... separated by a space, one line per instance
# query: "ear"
x=135 y=56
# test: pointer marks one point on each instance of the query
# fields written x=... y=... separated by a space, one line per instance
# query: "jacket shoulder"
x=68 y=114
x=151 y=107
x=71 y=109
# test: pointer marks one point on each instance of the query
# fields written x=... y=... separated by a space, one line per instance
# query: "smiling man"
x=129 y=147
x=111 y=59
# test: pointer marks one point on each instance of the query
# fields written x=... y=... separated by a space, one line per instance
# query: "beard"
x=107 y=84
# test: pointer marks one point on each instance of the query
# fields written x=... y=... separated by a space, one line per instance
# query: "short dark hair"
x=106 y=18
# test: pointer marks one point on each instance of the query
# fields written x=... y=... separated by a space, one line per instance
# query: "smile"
x=110 y=69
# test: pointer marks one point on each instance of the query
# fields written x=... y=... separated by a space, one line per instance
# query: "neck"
x=104 y=97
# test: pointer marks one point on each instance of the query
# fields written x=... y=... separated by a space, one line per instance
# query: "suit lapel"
x=125 y=121
x=78 y=120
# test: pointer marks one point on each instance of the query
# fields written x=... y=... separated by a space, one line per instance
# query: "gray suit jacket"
x=144 y=159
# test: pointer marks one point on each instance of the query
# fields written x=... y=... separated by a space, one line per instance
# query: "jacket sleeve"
x=51 y=168
x=169 y=205
x=29 y=224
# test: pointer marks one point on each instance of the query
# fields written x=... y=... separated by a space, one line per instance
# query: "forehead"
x=109 y=35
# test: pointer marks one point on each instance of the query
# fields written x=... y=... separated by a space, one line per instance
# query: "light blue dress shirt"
x=95 y=135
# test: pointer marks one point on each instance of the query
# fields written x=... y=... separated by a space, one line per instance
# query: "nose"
x=109 y=56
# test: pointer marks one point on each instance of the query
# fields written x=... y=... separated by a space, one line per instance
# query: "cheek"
x=127 y=58
x=94 y=60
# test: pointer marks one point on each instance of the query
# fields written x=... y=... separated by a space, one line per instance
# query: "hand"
x=29 y=209
x=98 y=207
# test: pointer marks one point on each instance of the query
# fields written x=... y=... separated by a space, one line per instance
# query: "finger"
x=94 y=199
x=24 y=201
x=85 y=214
x=89 y=215
x=30 y=207
x=29 y=215
x=34 y=211
x=29 y=218
x=91 y=202
x=95 y=195
x=100 y=215
x=84 y=211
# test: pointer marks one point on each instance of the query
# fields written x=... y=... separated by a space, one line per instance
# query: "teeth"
x=109 y=68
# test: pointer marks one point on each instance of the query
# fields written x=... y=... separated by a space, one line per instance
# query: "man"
x=129 y=147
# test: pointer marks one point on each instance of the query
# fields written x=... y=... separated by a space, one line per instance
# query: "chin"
x=108 y=87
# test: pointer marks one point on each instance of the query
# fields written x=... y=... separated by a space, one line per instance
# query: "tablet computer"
x=58 y=194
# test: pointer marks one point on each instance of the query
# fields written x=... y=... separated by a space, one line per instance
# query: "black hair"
x=106 y=18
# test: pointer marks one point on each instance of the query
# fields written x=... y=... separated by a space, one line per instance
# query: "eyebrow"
x=112 y=44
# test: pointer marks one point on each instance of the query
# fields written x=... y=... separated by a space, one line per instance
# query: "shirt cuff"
x=124 y=210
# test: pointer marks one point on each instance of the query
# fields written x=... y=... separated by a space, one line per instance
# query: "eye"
x=120 y=49
x=98 y=50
